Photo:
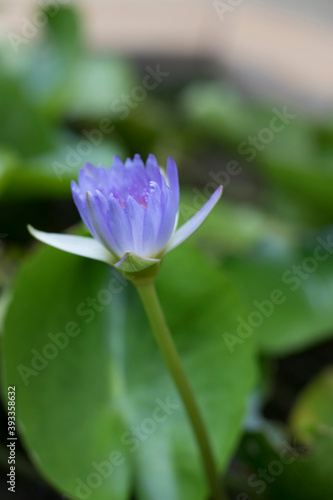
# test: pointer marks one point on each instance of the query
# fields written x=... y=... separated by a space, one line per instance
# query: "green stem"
x=164 y=339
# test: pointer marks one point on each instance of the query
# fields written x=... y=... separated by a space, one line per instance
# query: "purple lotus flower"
x=131 y=210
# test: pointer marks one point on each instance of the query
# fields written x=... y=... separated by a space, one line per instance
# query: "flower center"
x=138 y=193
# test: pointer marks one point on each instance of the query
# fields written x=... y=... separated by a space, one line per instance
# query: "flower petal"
x=98 y=210
x=172 y=174
x=117 y=161
x=153 y=170
x=78 y=245
x=120 y=226
x=152 y=220
x=136 y=215
x=169 y=216
x=192 y=225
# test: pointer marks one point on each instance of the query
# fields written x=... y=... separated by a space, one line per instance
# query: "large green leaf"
x=109 y=382
x=288 y=291
x=269 y=259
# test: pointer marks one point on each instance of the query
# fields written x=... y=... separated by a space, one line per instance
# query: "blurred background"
x=238 y=93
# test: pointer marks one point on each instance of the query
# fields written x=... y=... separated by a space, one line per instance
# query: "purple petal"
x=169 y=213
x=136 y=215
x=117 y=161
x=137 y=162
x=98 y=209
x=172 y=174
x=120 y=226
x=152 y=220
x=88 y=176
x=79 y=200
x=192 y=225
x=85 y=181
x=153 y=170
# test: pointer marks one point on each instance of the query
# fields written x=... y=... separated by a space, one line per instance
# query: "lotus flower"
x=131 y=211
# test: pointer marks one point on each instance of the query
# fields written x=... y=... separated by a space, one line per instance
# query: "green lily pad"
x=96 y=407
x=288 y=291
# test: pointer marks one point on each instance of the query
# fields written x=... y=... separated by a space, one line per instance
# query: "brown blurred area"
x=278 y=50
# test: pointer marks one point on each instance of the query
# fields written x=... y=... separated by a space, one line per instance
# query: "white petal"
x=192 y=225
x=78 y=245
